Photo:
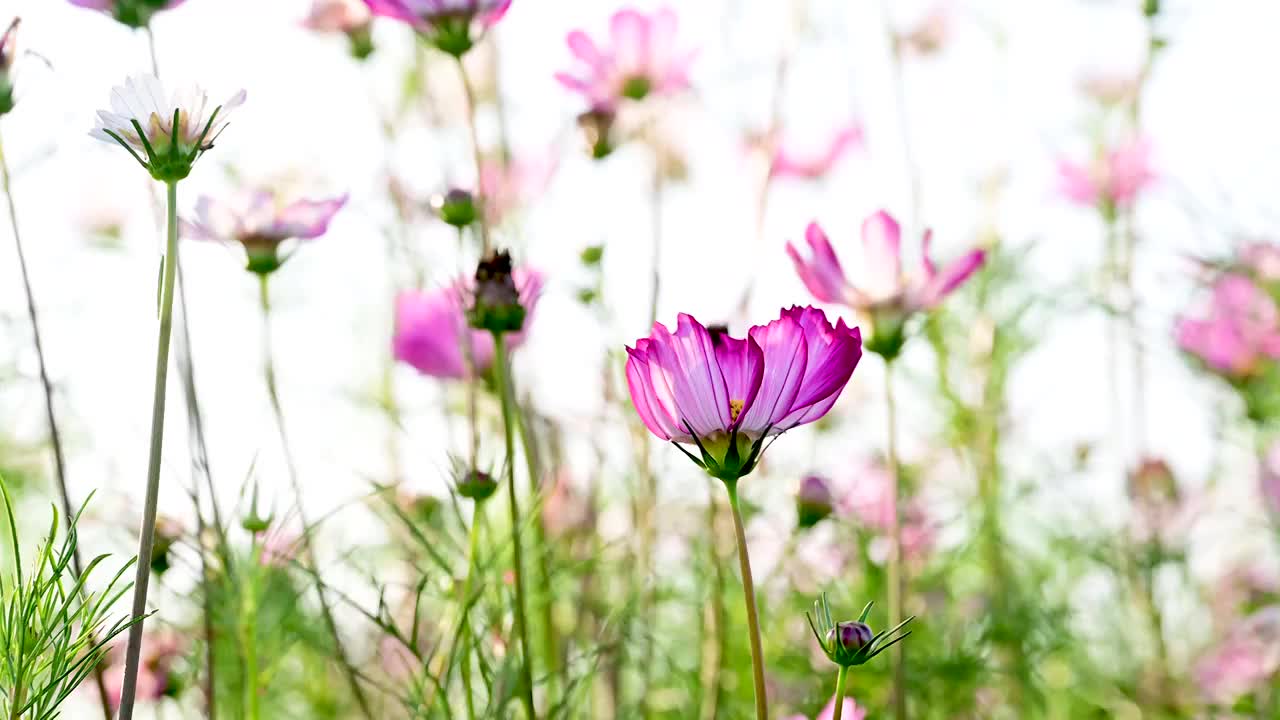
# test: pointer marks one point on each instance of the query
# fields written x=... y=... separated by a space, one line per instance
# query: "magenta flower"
x=1245 y=661
x=1112 y=181
x=725 y=395
x=134 y=13
x=1240 y=332
x=453 y=26
x=871 y=501
x=431 y=327
x=258 y=220
x=886 y=297
x=641 y=60
x=789 y=163
x=850 y=711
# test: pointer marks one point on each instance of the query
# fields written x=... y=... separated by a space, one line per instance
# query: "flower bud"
x=888 y=331
x=496 y=306
x=849 y=638
x=477 y=485
x=456 y=208
x=597 y=128
x=8 y=53
x=813 y=501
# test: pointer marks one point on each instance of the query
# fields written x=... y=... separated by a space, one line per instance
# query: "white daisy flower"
x=164 y=133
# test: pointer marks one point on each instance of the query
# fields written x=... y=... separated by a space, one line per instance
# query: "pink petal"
x=951 y=277
x=655 y=416
x=683 y=365
x=742 y=363
x=629 y=30
x=583 y=48
x=882 y=240
x=822 y=274
x=785 y=354
x=1076 y=183
x=833 y=355
x=308 y=219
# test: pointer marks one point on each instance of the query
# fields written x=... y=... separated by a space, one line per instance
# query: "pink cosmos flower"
x=1246 y=660
x=1115 y=180
x=725 y=395
x=886 y=296
x=450 y=25
x=340 y=16
x=261 y=222
x=850 y=711
x=1241 y=331
x=431 y=325
x=641 y=60
x=129 y=12
x=790 y=163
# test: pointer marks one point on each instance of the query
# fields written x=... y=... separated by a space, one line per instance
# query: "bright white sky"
x=1001 y=98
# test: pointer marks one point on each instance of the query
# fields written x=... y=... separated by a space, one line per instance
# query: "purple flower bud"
x=849 y=637
x=496 y=306
x=813 y=501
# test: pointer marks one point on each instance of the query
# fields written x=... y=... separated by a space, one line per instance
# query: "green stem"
x=482 y=219
x=503 y=376
x=248 y=635
x=472 y=553
x=839 y=698
x=146 y=538
x=896 y=571
x=716 y=638
x=749 y=596
x=308 y=551
x=541 y=548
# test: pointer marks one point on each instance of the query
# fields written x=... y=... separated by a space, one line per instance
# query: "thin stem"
x=550 y=644
x=249 y=636
x=656 y=209
x=473 y=552
x=482 y=218
x=308 y=550
x=503 y=377
x=839 y=697
x=146 y=537
x=896 y=572
x=749 y=596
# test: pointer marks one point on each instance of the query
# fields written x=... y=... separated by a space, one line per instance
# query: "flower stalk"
x=838 y=707
x=502 y=366
x=749 y=597
x=896 y=580
x=146 y=539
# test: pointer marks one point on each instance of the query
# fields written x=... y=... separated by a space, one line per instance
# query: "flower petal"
x=785 y=355
x=683 y=365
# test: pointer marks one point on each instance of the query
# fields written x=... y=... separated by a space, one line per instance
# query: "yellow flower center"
x=735 y=409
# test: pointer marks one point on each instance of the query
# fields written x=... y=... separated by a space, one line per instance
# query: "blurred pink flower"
x=870 y=499
x=1109 y=86
x=566 y=510
x=279 y=547
x=161 y=650
x=640 y=61
x=789 y=163
x=885 y=287
x=261 y=222
x=1241 y=331
x=1114 y=180
x=341 y=16
x=850 y=711
x=431 y=325
x=701 y=386
x=1246 y=660
x=930 y=32
x=1269 y=479
x=1262 y=260
x=450 y=25
x=507 y=187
